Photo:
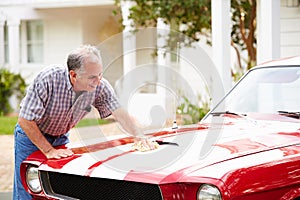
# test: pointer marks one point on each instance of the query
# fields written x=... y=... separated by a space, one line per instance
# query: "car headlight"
x=209 y=192
x=32 y=179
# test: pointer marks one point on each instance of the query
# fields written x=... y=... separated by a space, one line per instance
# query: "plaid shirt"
x=51 y=102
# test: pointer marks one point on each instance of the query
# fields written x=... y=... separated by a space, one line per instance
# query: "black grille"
x=82 y=187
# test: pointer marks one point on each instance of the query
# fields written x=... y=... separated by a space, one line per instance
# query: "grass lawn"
x=7 y=123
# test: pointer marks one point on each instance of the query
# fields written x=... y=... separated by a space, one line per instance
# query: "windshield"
x=265 y=90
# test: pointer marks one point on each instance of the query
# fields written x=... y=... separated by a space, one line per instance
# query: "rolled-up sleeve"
x=106 y=101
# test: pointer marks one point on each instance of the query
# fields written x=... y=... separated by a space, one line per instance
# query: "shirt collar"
x=70 y=87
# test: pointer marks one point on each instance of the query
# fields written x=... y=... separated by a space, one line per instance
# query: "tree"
x=193 y=17
x=244 y=27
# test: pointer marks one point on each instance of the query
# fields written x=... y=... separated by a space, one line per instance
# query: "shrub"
x=191 y=113
x=10 y=84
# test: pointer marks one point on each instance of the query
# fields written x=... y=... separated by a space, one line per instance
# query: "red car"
x=246 y=148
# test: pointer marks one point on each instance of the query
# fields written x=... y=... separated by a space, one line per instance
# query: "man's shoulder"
x=105 y=88
x=52 y=71
x=104 y=83
x=55 y=68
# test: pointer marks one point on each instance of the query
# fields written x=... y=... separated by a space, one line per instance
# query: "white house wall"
x=60 y=37
x=290 y=31
x=62 y=32
x=94 y=21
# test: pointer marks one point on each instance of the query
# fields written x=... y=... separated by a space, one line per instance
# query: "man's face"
x=88 y=79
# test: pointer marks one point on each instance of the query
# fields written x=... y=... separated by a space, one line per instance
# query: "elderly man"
x=60 y=97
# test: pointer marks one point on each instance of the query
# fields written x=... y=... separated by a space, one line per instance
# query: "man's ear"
x=73 y=76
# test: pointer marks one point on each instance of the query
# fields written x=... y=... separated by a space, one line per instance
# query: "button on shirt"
x=51 y=102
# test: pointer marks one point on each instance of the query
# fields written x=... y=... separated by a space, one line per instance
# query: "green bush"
x=10 y=84
x=191 y=113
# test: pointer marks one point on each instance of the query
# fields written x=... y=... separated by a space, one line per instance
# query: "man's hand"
x=38 y=139
x=58 y=153
x=143 y=143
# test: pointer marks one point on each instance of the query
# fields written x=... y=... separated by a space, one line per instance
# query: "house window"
x=34 y=41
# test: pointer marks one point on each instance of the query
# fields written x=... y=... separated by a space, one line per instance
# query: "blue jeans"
x=23 y=148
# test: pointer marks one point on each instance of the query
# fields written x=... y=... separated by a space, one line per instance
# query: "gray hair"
x=78 y=57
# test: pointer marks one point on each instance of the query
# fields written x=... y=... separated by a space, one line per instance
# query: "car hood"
x=183 y=151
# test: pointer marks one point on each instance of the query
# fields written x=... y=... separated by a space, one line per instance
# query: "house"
x=36 y=33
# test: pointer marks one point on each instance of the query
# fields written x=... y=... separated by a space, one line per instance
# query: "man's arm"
x=34 y=134
x=127 y=123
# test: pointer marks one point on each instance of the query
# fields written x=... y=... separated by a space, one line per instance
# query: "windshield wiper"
x=242 y=115
x=289 y=114
x=227 y=112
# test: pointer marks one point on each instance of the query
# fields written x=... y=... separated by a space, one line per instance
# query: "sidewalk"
x=5 y=195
